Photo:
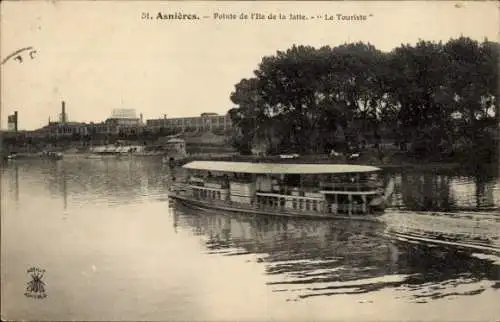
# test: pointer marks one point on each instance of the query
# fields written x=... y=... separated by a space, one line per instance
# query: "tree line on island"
x=431 y=99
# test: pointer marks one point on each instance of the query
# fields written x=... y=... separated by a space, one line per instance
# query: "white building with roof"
x=123 y=113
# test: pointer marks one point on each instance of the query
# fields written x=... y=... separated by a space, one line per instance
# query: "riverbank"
x=395 y=163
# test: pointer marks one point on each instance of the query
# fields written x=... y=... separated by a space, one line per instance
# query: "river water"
x=113 y=248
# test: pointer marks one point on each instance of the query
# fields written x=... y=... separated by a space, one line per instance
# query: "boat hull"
x=203 y=205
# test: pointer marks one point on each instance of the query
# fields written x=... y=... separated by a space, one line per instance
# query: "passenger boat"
x=341 y=191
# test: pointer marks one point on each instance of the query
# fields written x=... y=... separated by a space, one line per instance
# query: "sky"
x=97 y=56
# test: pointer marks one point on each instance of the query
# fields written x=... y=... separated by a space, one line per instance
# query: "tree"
x=432 y=94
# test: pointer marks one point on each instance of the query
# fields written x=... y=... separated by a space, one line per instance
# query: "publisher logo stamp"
x=36 y=287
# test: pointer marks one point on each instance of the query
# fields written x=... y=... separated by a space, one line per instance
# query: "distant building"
x=123 y=120
x=203 y=123
x=173 y=148
x=12 y=122
x=123 y=113
x=61 y=128
x=100 y=128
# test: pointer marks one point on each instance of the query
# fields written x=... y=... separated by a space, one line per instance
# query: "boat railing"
x=289 y=190
x=329 y=210
x=352 y=188
x=352 y=185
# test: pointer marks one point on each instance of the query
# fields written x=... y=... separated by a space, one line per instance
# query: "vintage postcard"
x=250 y=161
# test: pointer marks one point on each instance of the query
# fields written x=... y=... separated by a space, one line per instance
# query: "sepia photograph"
x=250 y=160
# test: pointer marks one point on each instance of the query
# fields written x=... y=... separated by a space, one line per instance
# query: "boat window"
x=292 y=180
x=308 y=180
x=315 y=205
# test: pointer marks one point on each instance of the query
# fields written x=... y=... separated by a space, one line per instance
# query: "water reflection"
x=302 y=259
x=13 y=179
x=319 y=258
x=92 y=181
x=445 y=192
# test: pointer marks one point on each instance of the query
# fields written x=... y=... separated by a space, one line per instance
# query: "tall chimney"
x=17 y=121
x=63 y=112
x=141 y=117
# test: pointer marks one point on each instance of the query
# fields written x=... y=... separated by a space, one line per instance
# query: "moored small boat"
x=51 y=155
x=54 y=155
x=294 y=190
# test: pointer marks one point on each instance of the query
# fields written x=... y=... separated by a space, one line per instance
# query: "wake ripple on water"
x=308 y=259
x=472 y=230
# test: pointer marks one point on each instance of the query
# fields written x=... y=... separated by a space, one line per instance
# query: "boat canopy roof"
x=277 y=168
